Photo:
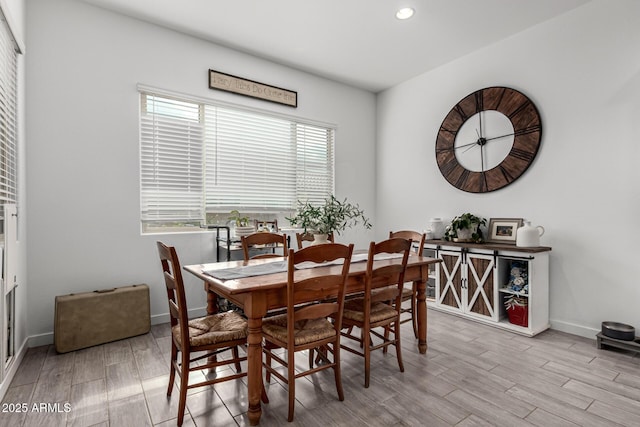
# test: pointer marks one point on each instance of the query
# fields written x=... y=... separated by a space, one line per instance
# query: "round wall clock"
x=488 y=139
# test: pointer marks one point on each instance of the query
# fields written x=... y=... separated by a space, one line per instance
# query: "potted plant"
x=241 y=223
x=465 y=228
x=334 y=216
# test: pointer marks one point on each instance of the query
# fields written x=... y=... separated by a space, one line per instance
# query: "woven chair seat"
x=215 y=328
x=354 y=310
x=407 y=292
x=305 y=331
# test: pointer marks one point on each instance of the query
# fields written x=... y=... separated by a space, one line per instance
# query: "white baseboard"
x=572 y=328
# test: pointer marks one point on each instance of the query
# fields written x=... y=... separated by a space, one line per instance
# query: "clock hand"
x=522 y=131
x=466 y=145
x=471 y=146
x=501 y=136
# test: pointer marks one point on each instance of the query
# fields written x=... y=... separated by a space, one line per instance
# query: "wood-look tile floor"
x=472 y=375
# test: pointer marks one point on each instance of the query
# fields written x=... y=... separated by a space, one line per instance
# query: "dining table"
x=260 y=285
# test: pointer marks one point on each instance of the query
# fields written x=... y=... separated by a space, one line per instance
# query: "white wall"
x=82 y=70
x=582 y=70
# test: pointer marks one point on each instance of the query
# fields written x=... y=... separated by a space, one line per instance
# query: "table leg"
x=255 y=309
x=421 y=286
x=254 y=372
x=212 y=300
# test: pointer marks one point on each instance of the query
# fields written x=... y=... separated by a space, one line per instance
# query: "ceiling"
x=358 y=42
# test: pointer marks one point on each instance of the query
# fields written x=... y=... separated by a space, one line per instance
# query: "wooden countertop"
x=488 y=246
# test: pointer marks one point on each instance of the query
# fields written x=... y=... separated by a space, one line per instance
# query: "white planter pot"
x=244 y=231
x=320 y=239
x=464 y=234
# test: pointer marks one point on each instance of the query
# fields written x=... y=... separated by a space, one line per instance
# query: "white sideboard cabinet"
x=486 y=282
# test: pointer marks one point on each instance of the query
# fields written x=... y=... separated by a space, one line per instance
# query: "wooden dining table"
x=267 y=291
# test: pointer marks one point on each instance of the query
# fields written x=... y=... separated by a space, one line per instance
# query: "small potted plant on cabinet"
x=334 y=216
x=465 y=228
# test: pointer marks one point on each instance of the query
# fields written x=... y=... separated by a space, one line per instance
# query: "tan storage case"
x=91 y=318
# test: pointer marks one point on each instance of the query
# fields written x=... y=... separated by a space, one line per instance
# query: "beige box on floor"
x=91 y=318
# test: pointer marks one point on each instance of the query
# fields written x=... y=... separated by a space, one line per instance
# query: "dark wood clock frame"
x=527 y=126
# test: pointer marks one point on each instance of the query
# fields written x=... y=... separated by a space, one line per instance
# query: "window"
x=9 y=256
x=198 y=158
x=8 y=121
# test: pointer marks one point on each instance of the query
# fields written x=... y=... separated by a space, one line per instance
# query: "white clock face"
x=476 y=154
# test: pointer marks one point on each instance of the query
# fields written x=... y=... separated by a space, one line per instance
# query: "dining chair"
x=308 y=327
x=372 y=310
x=264 y=240
x=308 y=237
x=409 y=291
x=212 y=334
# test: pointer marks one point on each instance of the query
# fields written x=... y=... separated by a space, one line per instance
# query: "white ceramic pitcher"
x=528 y=236
x=437 y=228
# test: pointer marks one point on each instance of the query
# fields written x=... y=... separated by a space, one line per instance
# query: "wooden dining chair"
x=409 y=291
x=308 y=237
x=212 y=334
x=270 y=241
x=372 y=311
x=307 y=327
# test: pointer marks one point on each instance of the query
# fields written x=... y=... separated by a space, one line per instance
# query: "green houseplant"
x=334 y=216
x=240 y=221
x=240 y=224
x=465 y=228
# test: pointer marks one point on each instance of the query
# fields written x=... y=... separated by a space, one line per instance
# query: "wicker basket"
x=518 y=311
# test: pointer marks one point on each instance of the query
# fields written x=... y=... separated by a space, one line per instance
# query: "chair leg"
x=397 y=344
x=336 y=370
x=236 y=355
x=172 y=371
x=386 y=338
x=267 y=361
x=291 y=382
x=311 y=352
x=414 y=314
x=367 y=356
x=184 y=382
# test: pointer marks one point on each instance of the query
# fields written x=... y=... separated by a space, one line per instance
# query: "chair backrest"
x=303 y=286
x=389 y=276
x=415 y=236
x=262 y=238
x=175 y=290
x=308 y=237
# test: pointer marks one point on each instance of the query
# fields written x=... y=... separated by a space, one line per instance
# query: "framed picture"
x=503 y=230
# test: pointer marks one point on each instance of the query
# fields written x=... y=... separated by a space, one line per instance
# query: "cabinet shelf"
x=510 y=292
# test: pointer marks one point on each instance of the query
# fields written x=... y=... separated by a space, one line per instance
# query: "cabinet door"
x=450 y=279
x=481 y=295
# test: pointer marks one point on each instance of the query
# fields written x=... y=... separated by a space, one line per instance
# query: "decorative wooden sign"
x=229 y=83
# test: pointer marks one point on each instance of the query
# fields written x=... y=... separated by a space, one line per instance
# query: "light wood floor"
x=472 y=375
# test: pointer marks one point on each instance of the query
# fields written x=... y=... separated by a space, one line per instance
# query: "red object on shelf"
x=519 y=315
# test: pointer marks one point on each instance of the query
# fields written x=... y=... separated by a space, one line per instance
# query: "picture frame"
x=503 y=230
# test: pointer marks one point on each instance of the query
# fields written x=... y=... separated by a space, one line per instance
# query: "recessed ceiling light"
x=405 y=13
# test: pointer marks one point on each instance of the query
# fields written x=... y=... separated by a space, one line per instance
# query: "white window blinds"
x=8 y=108
x=171 y=160
x=198 y=157
x=251 y=163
